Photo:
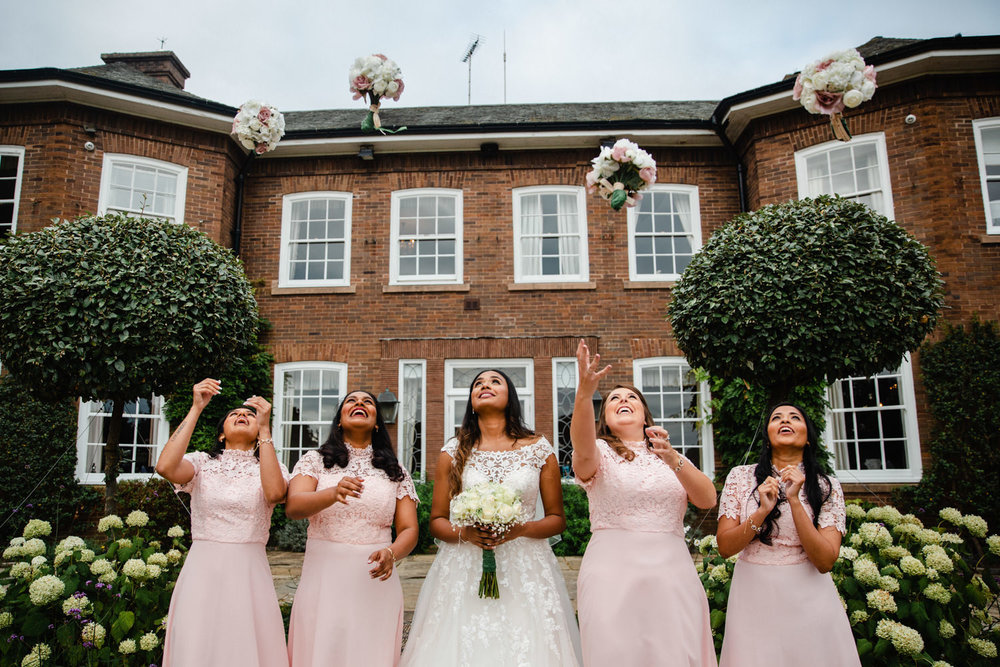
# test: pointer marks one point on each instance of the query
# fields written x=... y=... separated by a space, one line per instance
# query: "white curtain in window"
x=531 y=235
x=569 y=236
x=682 y=207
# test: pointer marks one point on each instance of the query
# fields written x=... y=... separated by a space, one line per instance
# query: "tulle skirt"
x=530 y=625
x=224 y=611
x=786 y=616
x=341 y=616
x=641 y=603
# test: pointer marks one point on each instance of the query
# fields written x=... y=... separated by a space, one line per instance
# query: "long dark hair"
x=220 y=434
x=817 y=484
x=604 y=432
x=334 y=450
x=468 y=435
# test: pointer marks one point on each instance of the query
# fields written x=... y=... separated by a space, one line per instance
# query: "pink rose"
x=648 y=174
x=829 y=103
x=235 y=125
x=591 y=182
x=399 y=91
x=618 y=153
x=870 y=73
x=379 y=55
x=361 y=83
x=823 y=65
x=264 y=114
x=261 y=149
x=797 y=90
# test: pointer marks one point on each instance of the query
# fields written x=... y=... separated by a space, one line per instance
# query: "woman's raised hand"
x=204 y=391
x=261 y=407
x=793 y=478
x=349 y=487
x=588 y=367
x=769 y=491
x=660 y=441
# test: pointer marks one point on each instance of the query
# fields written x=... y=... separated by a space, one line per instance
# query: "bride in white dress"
x=532 y=623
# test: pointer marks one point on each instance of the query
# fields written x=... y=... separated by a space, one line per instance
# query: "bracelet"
x=754 y=527
x=266 y=441
x=680 y=463
x=391 y=553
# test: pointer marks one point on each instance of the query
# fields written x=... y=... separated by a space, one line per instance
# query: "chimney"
x=161 y=65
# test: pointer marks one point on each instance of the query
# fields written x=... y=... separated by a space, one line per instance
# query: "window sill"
x=990 y=239
x=527 y=287
x=331 y=289
x=648 y=284
x=412 y=289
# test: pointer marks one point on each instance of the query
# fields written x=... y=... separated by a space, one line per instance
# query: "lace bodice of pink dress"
x=364 y=520
x=227 y=500
x=739 y=501
x=643 y=494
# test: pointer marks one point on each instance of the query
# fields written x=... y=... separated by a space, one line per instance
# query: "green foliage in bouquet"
x=75 y=602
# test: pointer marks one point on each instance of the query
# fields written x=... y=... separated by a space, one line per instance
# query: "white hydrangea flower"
x=886 y=514
x=937 y=558
x=152 y=571
x=37 y=528
x=940 y=663
x=71 y=543
x=175 y=531
x=859 y=616
x=3 y=592
x=911 y=519
x=174 y=556
x=848 y=553
x=699 y=567
x=932 y=574
x=855 y=511
x=107 y=578
x=134 y=568
x=126 y=646
x=87 y=555
x=993 y=543
x=39 y=561
x=946 y=629
x=975 y=525
x=951 y=538
x=12 y=552
x=109 y=522
x=124 y=543
x=719 y=573
x=61 y=557
x=855 y=540
x=149 y=641
x=890 y=584
x=929 y=536
x=938 y=593
x=94 y=633
x=20 y=570
x=707 y=544
x=905 y=639
x=157 y=558
x=983 y=647
x=911 y=566
x=101 y=566
x=951 y=515
x=33 y=547
x=39 y=654
x=46 y=589
x=81 y=604
x=137 y=519
x=906 y=529
x=6 y=618
x=867 y=572
x=895 y=552
x=881 y=600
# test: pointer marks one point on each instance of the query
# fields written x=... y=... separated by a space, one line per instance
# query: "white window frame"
x=705 y=436
x=876 y=138
x=284 y=254
x=555 y=404
x=978 y=126
x=441 y=279
x=277 y=414
x=180 y=197
x=582 y=233
x=420 y=475
x=160 y=425
x=17 y=151
x=694 y=233
x=527 y=394
x=911 y=434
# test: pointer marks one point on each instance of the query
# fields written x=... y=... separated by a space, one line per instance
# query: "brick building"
x=408 y=262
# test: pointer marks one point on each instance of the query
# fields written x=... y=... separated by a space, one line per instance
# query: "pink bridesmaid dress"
x=782 y=611
x=639 y=598
x=341 y=616
x=224 y=611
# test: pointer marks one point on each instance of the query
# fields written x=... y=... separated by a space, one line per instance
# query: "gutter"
x=238 y=215
x=720 y=131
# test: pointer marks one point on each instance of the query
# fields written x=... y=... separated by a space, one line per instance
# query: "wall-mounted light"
x=388 y=406
x=366 y=152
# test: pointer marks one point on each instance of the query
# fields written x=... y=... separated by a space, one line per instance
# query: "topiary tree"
x=802 y=291
x=114 y=307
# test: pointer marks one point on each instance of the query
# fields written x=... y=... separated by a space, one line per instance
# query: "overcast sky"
x=295 y=54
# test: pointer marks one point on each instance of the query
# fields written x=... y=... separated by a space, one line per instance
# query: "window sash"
x=459 y=374
x=412 y=418
x=11 y=175
x=550 y=235
x=987 y=139
x=858 y=171
x=139 y=186
x=315 y=239
x=664 y=233
x=144 y=432
x=565 y=376
x=426 y=236
x=306 y=396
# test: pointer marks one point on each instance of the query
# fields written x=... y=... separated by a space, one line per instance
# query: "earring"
x=376 y=428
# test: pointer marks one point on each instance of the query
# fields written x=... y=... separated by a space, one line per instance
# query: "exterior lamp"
x=388 y=406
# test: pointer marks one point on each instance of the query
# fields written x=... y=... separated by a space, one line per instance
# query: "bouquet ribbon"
x=839 y=126
x=372 y=122
x=616 y=194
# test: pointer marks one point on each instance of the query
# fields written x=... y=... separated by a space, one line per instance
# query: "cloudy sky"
x=295 y=54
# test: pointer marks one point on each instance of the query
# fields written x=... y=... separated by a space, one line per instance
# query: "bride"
x=532 y=622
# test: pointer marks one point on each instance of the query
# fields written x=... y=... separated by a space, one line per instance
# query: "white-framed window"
x=144 y=432
x=458 y=377
x=565 y=376
x=857 y=170
x=550 y=235
x=306 y=396
x=987 y=132
x=871 y=427
x=664 y=232
x=142 y=186
x=425 y=237
x=412 y=417
x=679 y=404
x=11 y=170
x=315 y=239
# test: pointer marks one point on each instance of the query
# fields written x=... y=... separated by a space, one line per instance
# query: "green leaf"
x=864 y=646
x=717 y=618
x=122 y=625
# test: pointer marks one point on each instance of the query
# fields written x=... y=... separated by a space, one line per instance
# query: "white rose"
x=867 y=89
x=853 y=98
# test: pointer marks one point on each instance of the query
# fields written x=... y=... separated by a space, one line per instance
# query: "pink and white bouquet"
x=489 y=506
x=839 y=81
x=258 y=126
x=374 y=77
x=620 y=172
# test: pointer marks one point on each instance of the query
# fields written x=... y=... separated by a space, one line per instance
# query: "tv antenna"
x=163 y=40
x=467 y=58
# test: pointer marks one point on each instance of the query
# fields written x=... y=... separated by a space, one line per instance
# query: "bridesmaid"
x=639 y=598
x=224 y=611
x=786 y=520
x=348 y=609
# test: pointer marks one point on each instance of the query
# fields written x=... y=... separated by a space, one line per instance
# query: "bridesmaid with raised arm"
x=348 y=609
x=639 y=598
x=224 y=611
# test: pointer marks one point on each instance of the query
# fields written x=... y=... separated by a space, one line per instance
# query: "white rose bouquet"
x=258 y=126
x=827 y=86
x=375 y=77
x=494 y=507
x=620 y=172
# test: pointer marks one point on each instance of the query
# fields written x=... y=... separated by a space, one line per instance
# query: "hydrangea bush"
x=914 y=594
x=75 y=602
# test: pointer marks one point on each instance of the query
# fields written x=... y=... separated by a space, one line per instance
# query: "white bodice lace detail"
x=643 y=494
x=227 y=500
x=364 y=520
x=739 y=501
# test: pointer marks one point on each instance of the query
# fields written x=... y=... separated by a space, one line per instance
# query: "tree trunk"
x=113 y=457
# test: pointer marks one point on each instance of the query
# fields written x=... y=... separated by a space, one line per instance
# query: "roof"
x=122 y=72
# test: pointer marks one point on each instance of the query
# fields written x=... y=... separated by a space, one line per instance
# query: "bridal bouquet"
x=375 y=77
x=828 y=86
x=620 y=172
x=493 y=507
x=258 y=126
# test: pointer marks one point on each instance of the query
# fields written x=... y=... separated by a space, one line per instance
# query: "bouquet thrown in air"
x=620 y=172
x=828 y=86
x=492 y=507
x=258 y=126
x=374 y=77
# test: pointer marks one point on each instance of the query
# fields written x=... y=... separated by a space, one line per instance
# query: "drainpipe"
x=238 y=217
x=740 y=172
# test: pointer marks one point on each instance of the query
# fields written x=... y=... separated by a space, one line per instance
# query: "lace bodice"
x=739 y=501
x=227 y=501
x=364 y=520
x=643 y=494
x=517 y=469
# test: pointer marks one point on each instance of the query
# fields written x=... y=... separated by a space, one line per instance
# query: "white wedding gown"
x=532 y=623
